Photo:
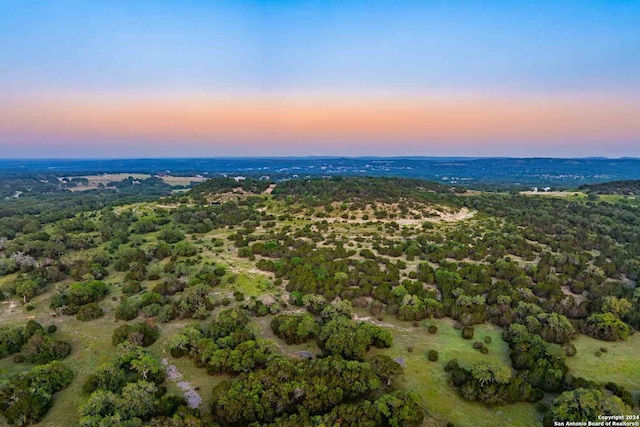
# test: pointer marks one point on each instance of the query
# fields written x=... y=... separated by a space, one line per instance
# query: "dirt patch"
x=461 y=215
x=9 y=311
x=438 y=216
x=269 y=189
x=377 y=323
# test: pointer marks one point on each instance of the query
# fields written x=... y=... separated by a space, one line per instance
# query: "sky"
x=87 y=79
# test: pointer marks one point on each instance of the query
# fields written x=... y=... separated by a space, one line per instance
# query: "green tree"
x=585 y=404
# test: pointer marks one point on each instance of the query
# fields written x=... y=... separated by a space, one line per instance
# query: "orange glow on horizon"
x=304 y=117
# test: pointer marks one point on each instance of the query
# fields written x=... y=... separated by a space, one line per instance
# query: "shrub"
x=12 y=338
x=89 y=311
x=478 y=345
x=126 y=310
x=151 y=310
x=487 y=339
x=245 y=252
x=86 y=292
x=467 y=332
x=484 y=350
x=52 y=328
x=185 y=249
x=170 y=235
x=432 y=329
x=142 y=334
x=132 y=287
x=166 y=314
x=569 y=350
x=433 y=355
x=40 y=348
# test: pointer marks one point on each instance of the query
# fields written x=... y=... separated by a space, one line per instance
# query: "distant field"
x=554 y=193
x=107 y=178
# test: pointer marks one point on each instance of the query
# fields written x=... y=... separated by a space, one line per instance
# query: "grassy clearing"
x=619 y=364
x=106 y=179
x=91 y=347
x=431 y=383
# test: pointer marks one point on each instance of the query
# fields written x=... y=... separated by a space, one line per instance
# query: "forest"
x=350 y=301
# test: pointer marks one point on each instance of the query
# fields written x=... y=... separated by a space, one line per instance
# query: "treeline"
x=319 y=191
x=627 y=188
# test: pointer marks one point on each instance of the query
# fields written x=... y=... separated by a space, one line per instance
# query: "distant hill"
x=630 y=187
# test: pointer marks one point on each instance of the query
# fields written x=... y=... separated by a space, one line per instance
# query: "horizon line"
x=314 y=157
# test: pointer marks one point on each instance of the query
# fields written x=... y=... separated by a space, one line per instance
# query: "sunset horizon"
x=310 y=79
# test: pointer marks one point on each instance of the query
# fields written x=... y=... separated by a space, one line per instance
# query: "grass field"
x=620 y=363
x=105 y=179
x=430 y=381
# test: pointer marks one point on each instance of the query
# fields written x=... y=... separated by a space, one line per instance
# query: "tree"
x=139 y=399
x=295 y=329
x=619 y=307
x=342 y=336
x=400 y=409
x=127 y=310
x=585 y=404
x=108 y=377
x=26 y=398
x=147 y=366
x=171 y=235
x=101 y=403
x=606 y=327
x=386 y=368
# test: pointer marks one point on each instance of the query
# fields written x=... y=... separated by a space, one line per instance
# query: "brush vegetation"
x=342 y=301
